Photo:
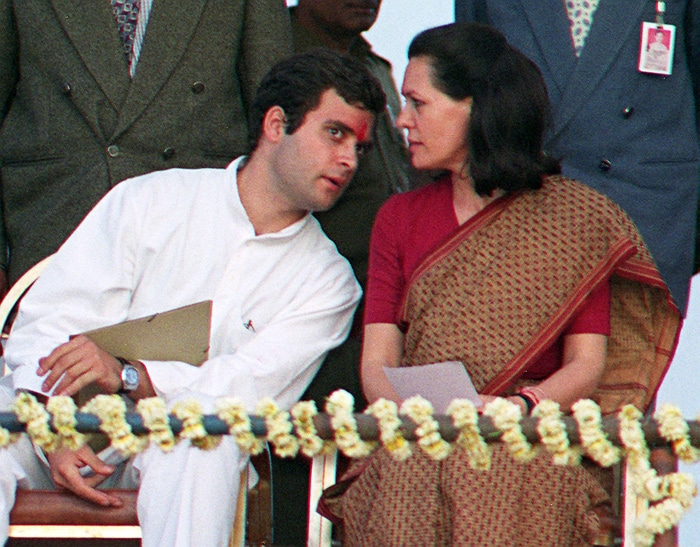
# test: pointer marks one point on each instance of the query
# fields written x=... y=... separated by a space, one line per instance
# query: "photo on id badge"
x=656 y=49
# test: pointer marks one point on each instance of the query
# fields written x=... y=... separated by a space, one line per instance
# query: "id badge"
x=656 y=48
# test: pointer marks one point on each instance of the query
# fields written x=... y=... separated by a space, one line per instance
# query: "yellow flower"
x=279 y=428
x=62 y=410
x=232 y=412
x=466 y=418
x=506 y=417
x=155 y=417
x=428 y=431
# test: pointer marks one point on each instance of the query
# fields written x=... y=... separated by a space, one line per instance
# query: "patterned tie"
x=126 y=14
x=581 y=18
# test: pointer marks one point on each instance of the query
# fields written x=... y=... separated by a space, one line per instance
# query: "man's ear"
x=274 y=123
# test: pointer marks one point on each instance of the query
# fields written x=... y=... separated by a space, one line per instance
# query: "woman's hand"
x=583 y=364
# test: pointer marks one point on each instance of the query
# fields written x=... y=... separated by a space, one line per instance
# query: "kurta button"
x=168 y=153
x=197 y=87
x=627 y=111
x=605 y=165
x=66 y=89
x=113 y=150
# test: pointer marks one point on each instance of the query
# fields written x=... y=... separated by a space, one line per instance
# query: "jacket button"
x=168 y=153
x=113 y=150
x=605 y=165
x=627 y=112
x=66 y=89
x=197 y=87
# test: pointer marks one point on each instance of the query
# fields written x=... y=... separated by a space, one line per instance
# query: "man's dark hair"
x=510 y=107
x=297 y=83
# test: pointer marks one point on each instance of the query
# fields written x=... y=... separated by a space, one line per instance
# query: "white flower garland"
x=190 y=412
x=506 y=417
x=62 y=410
x=36 y=419
x=675 y=489
x=6 y=438
x=673 y=492
x=428 y=431
x=154 y=414
x=310 y=443
x=232 y=412
x=279 y=428
x=392 y=439
x=674 y=429
x=591 y=435
x=466 y=418
x=111 y=410
x=552 y=432
x=339 y=406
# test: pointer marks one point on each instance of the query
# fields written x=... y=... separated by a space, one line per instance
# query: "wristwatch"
x=130 y=376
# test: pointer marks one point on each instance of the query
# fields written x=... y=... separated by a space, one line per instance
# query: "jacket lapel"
x=613 y=24
x=550 y=29
x=92 y=31
x=170 y=28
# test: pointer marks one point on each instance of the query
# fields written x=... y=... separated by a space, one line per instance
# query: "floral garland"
x=552 y=432
x=674 y=429
x=428 y=431
x=62 y=410
x=506 y=417
x=111 y=410
x=591 y=435
x=466 y=418
x=154 y=414
x=310 y=443
x=673 y=493
x=279 y=428
x=36 y=419
x=385 y=412
x=190 y=412
x=6 y=438
x=339 y=407
x=232 y=412
x=675 y=489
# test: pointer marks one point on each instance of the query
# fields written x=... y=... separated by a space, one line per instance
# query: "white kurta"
x=281 y=301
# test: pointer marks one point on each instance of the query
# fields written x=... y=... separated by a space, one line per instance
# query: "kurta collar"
x=237 y=206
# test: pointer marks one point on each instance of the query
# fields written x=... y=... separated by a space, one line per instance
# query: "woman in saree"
x=539 y=285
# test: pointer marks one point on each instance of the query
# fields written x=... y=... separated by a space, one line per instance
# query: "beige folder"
x=181 y=334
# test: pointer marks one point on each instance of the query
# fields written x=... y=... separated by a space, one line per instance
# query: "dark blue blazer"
x=630 y=135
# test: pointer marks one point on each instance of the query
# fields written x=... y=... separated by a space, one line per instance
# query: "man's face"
x=344 y=16
x=315 y=164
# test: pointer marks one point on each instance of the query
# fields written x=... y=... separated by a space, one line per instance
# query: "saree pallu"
x=495 y=295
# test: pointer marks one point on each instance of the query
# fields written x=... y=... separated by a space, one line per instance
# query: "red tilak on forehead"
x=362 y=131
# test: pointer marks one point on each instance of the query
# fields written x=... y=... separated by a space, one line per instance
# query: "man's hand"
x=83 y=363
x=65 y=471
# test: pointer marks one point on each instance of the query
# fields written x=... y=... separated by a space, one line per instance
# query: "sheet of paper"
x=439 y=383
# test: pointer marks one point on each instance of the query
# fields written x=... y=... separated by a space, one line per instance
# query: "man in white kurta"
x=241 y=237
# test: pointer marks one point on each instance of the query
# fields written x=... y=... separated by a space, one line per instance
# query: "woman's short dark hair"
x=510 y=107
x=297 y=83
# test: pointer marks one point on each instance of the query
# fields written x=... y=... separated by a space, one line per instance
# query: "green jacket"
x=72 y=123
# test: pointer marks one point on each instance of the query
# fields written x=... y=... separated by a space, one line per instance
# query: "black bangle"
x=529 y=403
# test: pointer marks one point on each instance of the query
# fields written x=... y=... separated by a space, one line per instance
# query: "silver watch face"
x=130 y=378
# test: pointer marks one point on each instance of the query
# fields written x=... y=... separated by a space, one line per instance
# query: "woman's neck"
x=465 y=200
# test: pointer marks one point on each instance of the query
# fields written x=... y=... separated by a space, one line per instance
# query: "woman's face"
x=436 y=123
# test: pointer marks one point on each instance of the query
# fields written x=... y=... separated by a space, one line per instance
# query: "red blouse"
x=407 y=228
